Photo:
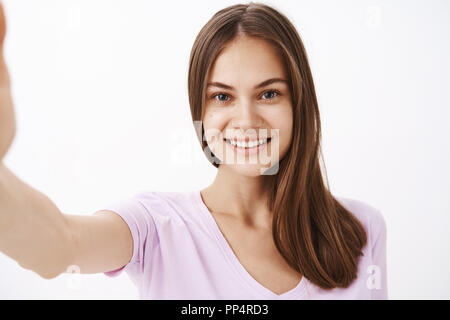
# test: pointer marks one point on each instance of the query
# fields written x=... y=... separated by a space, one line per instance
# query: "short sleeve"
x=141 y=226
x=378 y=226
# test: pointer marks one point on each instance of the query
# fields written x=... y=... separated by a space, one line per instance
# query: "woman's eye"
x=220 y=95
x=269 y=95
x=271 y=91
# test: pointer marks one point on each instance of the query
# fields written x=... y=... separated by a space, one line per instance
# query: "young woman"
x=266 y=228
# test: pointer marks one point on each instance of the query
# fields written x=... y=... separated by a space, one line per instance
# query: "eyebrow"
x=262 y=84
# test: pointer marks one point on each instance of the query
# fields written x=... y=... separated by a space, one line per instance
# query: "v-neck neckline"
x=298 y=292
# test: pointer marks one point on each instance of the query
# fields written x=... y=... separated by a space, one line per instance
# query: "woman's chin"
x=247 y=169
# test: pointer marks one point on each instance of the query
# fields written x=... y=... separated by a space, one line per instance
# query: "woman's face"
x=240 y=106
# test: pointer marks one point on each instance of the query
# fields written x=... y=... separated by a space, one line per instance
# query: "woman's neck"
x=244 y=197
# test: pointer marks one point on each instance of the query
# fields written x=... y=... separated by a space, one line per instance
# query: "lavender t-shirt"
x=179 y=252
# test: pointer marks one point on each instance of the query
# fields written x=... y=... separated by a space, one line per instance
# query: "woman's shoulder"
x=369 y=215
x=168 y=204
x=180 y=198
x=157 y=197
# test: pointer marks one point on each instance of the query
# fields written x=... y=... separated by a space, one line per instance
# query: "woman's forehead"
x=247 y=62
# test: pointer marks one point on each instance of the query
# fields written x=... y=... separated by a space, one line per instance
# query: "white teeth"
x=250 y=144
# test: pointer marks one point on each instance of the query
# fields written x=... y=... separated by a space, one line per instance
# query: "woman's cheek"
x=286 y=123
x=213 y=122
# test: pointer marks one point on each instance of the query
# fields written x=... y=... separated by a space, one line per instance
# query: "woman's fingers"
x=4 y=76
x=7 y=116
x=2 y=25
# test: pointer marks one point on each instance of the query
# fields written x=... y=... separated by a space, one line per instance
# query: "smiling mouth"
x=250 y=145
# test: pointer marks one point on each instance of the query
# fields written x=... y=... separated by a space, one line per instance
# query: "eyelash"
x=269 y=99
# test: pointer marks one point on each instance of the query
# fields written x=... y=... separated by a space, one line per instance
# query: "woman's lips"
x=257 y=140
x=248 y=150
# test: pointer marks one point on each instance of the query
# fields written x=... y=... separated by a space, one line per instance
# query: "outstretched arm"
x=34 y=232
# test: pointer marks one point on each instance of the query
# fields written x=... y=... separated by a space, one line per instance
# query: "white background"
x=100 y=90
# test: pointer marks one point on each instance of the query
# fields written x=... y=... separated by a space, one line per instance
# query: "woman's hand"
x=7 y=117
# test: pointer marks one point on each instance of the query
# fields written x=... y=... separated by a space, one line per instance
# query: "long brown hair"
x=314 y=233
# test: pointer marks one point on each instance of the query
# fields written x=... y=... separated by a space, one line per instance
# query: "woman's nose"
x=246 y=116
